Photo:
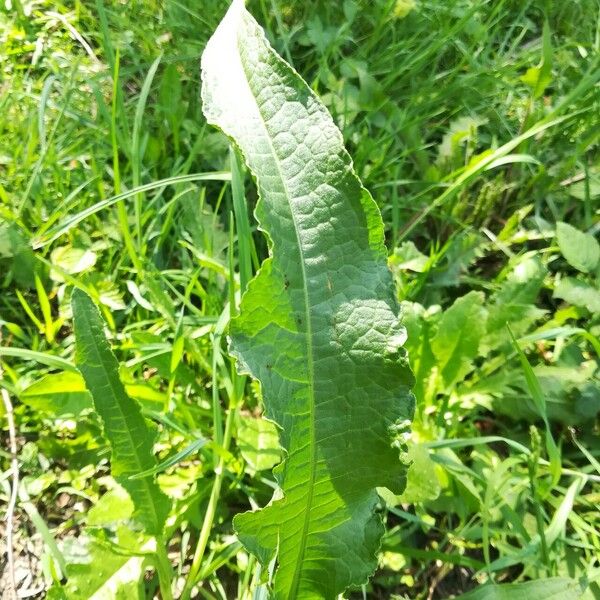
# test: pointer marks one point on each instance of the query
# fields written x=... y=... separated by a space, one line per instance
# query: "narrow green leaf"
x=533 y=384
x=553 y=531
x=512 y=159
x=593 y=461
x=173 y=460
x=43 y=238
x=177 y=353
x=136 y=152
x=538 y=397
x=540 y=77
x=46 y=309
x=130 y=438
x=318 y=325
x=466 y=442
x=56 y=362
x=557 y=525
x=556 y=588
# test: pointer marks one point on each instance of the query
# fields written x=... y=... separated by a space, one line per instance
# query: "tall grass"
x=110 y=181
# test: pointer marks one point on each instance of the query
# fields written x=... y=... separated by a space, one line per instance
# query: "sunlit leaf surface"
x=319 y=324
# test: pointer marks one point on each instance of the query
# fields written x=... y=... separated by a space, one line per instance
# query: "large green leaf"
x=580 y=249
x=514 y=302
x=456 y=342
x=318 y=325
x=556 y=588
x=20 y=258
x=59 y=393
x=130 y=437
x=99 y=573
x=578 y=293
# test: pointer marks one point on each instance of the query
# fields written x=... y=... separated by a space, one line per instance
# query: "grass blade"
x=68 y=224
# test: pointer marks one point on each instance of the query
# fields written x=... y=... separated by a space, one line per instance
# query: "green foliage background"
x=504 y=480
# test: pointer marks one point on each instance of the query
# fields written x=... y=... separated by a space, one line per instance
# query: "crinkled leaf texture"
x=318 y=326
x=130 y=438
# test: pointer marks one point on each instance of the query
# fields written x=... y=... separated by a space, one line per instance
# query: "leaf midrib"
x=109 y=378
x=309 y=345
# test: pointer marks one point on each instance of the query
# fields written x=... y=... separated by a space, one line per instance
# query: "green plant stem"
x=136 y=152
x=210 y=509
x=163 y=568
x=533 y=467
x=121 y=210
x=244 y=591
x=37 y=168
